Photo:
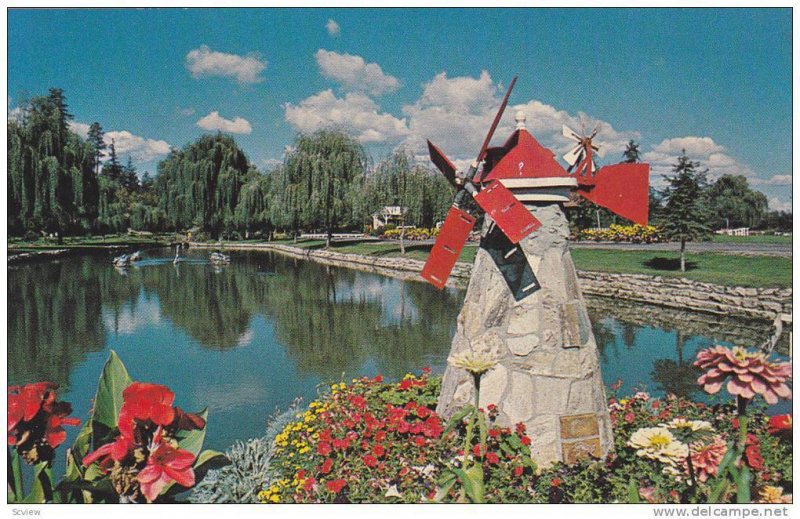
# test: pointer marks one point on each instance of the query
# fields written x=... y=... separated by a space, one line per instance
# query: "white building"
x=389 y=214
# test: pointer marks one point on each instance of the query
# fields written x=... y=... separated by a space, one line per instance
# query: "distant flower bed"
x=622 y=233
x=375 y=442
x=411 y=234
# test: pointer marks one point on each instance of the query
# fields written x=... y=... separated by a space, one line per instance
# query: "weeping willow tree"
x=199 y=185
x=321 y=181
x=52 y=185
x=253 y=210
x=397 y=180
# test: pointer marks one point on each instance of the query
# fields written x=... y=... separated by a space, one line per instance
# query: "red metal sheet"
x=508 y=213
x=447 y=248
x=442 y=162
x=622 y=188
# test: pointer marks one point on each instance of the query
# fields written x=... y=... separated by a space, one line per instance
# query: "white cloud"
x=355 y=74
x=81 y=129
x=140 y=149
x=333 y=28
x=711 y=155
x=455 y=113
x=356 y=113
x=780 y=205
x=214 y=121
x=206 y=62
x=774 y=180
x=186 y=112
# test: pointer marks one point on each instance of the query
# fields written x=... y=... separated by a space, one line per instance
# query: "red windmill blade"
x=622 y=188
x=494 y=199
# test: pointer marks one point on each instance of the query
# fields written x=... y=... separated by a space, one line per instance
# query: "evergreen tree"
x=631 y=153
x=96 y=138
x=685 y=213
x=112 y=168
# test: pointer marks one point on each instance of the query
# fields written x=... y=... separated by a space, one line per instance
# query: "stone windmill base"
x=548 y=376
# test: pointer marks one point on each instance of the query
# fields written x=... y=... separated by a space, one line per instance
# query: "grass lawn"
x=722 y=269
x=756 y=238
x=18 y=244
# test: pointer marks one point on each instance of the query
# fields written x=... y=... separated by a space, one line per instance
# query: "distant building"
x=389 y=214
x=741 y=231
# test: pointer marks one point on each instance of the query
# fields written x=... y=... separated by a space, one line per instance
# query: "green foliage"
x=686 y=213
x=733 y=204
x=199 y=185
x=631 y=153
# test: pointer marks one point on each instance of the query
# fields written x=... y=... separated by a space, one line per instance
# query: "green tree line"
x=61 y=183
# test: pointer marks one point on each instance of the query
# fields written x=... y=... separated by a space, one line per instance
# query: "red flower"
x=336 y=485
x=525 y=441
x=492 y=458
x=378 y=450
x=378 y=379
x=629 y=417
x=518 y=470
x=404 y=385
x=781 y=422
x=476 y=450
x=323 y=448
x=164 y=465
x=494 y=432
x=308 y=484
x=380 y=436
x=36 y=418
x=426 y=370
x=117 y=450
x=433 y=427
x=520 y=428
x=423 y=412
x=369 y=460
x=419 y=441
x=752 y=453
x=144 y=401
x=326 y=466
x=555 y=482
x=358 y=401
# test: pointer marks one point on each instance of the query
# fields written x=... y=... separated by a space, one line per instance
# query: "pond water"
x=247 y=339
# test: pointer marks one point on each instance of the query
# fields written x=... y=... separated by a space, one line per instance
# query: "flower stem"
x=692 y=475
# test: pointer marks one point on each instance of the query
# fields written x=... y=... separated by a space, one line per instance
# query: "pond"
x=247 y=339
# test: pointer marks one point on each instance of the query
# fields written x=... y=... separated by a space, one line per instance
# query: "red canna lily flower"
x=327 y=465
x=145 y=401
x=165 y=465
x=336 y=485
x=35 y=420
x=107 y=454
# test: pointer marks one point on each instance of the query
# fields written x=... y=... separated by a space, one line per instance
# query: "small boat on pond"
x=126 y=259
x=218 y=258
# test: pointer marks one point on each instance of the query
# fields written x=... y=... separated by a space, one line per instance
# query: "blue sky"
x=716 y=82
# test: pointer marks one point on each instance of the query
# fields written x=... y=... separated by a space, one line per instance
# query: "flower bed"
x=415 y=234
x=371 y=441
x=622 y=233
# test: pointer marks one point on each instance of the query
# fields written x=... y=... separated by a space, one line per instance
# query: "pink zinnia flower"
x=750 y=373
x=706 y=458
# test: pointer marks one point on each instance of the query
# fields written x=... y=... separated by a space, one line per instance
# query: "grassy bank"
x=721 y=269
x=20 y=245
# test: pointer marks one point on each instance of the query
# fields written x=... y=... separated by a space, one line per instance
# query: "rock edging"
x=674 y=292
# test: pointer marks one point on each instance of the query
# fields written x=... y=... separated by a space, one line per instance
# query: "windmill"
x=548 y=373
